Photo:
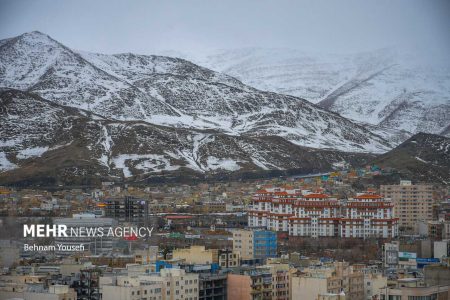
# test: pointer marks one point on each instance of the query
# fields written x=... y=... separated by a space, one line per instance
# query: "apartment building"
x=441 y=249
x=315 y=215
x=228 y=258
x=255 y=243
x=132 y=288
x=197 y=255
x=127 y=209
x=368 y=215
x=373 y=283
x=250 y=284
x=390 y=255
x=411 y=203
x=33 y=292
x=338 y=278
x=280 y=279
x=212 y=286
x=95 y=244
x=319 y=215
x=168 y=284
x=414 y=289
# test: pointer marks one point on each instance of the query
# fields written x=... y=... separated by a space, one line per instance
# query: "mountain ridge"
x=387 y=88
x=172 y=92
x=70 y=145
x=424 y=157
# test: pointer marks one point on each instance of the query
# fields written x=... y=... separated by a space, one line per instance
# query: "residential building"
x=243 y=243
x=436 y=274
x=132 y=288
x=411 y=203
x=390 y=255
x=228 y=258
x=255 y=243
x=196 y=255
x=414 y=289
x=319 y=215
x=442 y=249
x=95 y=244
x=127 y=209
x=315 y=215
x=32 y=292
x=249 y=284
x=335 y=278
x=280 y=279
x=212 y=286
x=168 y=284
x=146 y=256
x=368 y=215
x=373 y=284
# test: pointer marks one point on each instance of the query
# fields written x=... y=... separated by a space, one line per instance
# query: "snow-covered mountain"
x=171 y=92
x=392 y=90
x=47 y=143
x=423 y=157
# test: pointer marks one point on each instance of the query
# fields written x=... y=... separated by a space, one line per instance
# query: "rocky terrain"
x=423 y=157
x=71 y=117
x=395 y=91
x=171 y=92
x=47 y=143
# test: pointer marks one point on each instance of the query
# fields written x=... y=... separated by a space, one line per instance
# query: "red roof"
x=311 y=196
x=368 y=196
x=281 y=193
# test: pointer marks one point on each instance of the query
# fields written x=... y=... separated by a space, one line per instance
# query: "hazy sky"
x=150 y=26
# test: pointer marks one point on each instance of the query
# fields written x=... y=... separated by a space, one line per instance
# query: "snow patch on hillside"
x=31 y=152
x=5 y=164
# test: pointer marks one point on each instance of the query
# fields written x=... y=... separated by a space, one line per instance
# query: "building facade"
x=411 y=203
x=338 y=278
x=197 y=255
x=95 y=244
x=255 y=243
x=319 y=215
x=127 y=209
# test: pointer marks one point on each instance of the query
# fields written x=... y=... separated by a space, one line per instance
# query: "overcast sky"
x=151 y=26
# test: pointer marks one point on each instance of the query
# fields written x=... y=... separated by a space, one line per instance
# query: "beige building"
x=229 y=259
x=280 y=279
x=336 y=279
x=132 y=288
x=330 y=296
x=411 y=203
x=21 y=291
x=243 y=243
x=373 y=284
x=414 y=289
x=252 y=284
x=146 y=256
x=196 y=255
x=168 y=284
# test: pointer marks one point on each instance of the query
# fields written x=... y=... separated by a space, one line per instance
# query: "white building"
x=368 y=215
x=441 y=249
x=301 y=213
x=168 y=284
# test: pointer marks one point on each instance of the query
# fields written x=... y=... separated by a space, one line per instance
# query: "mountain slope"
x=172 y=92
x=423 y=157
x=382 y=88
x=46 y=143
